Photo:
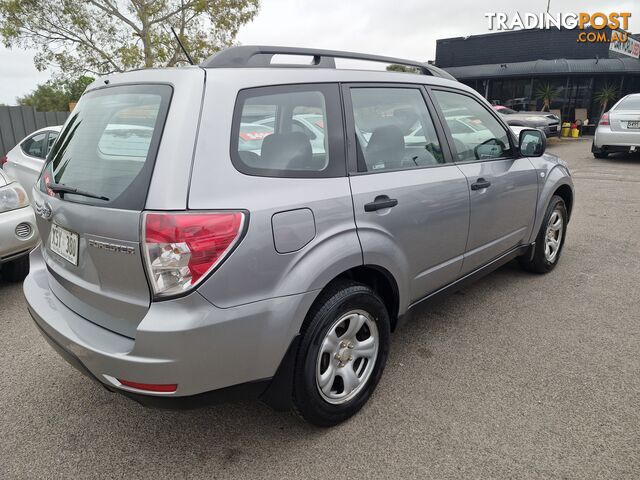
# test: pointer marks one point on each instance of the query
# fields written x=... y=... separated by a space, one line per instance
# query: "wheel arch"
x=565 y=192
x=379 y=279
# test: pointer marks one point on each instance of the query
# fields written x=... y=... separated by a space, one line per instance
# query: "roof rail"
x=260 y=56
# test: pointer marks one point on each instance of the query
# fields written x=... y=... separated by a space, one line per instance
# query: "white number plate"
x=633 y=124
x=64 y=243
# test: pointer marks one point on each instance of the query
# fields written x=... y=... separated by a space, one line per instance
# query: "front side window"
x=286 y=131
x=477 y=135
x=394 y=129
x=35 y=146
x=107 y=147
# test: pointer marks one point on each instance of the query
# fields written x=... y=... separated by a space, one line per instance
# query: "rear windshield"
x=629 y=103
x=108 y=146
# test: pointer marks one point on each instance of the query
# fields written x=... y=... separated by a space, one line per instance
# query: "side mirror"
x=533 y=142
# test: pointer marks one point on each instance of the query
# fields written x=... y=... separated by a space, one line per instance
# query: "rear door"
x=91 y=241
x=503 y=187
x=409 y=199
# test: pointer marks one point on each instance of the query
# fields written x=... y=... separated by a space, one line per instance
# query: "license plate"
x=64 y=243
x=633 y=124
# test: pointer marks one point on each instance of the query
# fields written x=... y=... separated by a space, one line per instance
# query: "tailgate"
x=90 y=197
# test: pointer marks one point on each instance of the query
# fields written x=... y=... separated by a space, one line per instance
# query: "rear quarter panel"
x=256 y=270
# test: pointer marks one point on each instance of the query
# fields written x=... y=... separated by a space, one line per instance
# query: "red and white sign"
x=630 y=48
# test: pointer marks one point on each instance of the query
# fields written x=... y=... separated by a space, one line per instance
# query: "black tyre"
x=597 y=152
x=342 y=353
x=550 y=239
x=16 y=270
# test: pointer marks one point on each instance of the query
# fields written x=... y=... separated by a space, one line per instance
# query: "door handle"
x=381 y=201
x=480 y=184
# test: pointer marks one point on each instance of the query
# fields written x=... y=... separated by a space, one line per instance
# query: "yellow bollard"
x=575 y=133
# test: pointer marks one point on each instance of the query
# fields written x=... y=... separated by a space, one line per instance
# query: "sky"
x=406 y=28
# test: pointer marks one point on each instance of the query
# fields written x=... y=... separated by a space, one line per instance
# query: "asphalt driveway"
x=517 y=376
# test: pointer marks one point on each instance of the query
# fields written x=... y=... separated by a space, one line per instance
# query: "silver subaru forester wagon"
x=243 y=229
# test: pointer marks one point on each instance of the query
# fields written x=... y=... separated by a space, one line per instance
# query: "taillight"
x=150 y=387
x=604 y=119
x=3 y=160
x=182 y=248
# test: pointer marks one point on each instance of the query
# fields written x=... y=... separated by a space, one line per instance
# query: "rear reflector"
x=604 y=120
x=3 y=160
x=150 y=387
x=181 y=249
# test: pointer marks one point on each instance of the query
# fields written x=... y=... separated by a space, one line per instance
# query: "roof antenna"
x=182 y=47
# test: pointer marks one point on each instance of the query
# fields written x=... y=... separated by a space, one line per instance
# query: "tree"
x=546 y=93
x=606 y=95
x=105 y=36
x=55 y=95
x=394 y=67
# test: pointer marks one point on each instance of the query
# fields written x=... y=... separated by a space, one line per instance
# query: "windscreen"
x=107 y=148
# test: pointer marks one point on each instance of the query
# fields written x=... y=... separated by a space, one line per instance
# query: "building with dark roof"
x=509 y=68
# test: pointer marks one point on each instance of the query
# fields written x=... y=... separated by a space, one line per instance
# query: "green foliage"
x=546 y=93
x=394 y=67
x=605 y=96
x=55 y=95
x=104 y=36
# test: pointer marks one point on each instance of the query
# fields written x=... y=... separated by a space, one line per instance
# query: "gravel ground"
x=517 y=376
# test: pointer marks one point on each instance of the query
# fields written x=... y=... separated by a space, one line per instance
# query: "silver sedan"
x=18 y=233
x=619 y=128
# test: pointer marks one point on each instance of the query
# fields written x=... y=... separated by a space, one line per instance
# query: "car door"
x=25 y=163
x=503 y=186
x=411 y=202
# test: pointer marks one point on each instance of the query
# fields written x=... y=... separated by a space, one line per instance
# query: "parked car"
x=545 y=121
x=195 y=270
x=18 y=233
x=618 y=129
x=24 y=161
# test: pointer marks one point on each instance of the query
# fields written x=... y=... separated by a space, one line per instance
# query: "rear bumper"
x=11 y=245
x=212 y=354
x=249 y=390
x=607 y=139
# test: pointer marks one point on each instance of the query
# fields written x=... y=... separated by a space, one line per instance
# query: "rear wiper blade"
x=62 y=189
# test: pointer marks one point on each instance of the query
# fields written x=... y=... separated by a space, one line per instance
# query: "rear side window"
x=51 y=140
x=288 y=131
x=108 y=146
x=35 y=146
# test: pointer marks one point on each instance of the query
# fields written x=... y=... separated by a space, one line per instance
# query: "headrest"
x=385 y=148
x=286 y=151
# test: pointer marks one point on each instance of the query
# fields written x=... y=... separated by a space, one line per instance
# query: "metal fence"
x=18 y=122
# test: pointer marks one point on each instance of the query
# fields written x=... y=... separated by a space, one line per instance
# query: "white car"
x=619 y=128
x=18 y=234
x=24 y=161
